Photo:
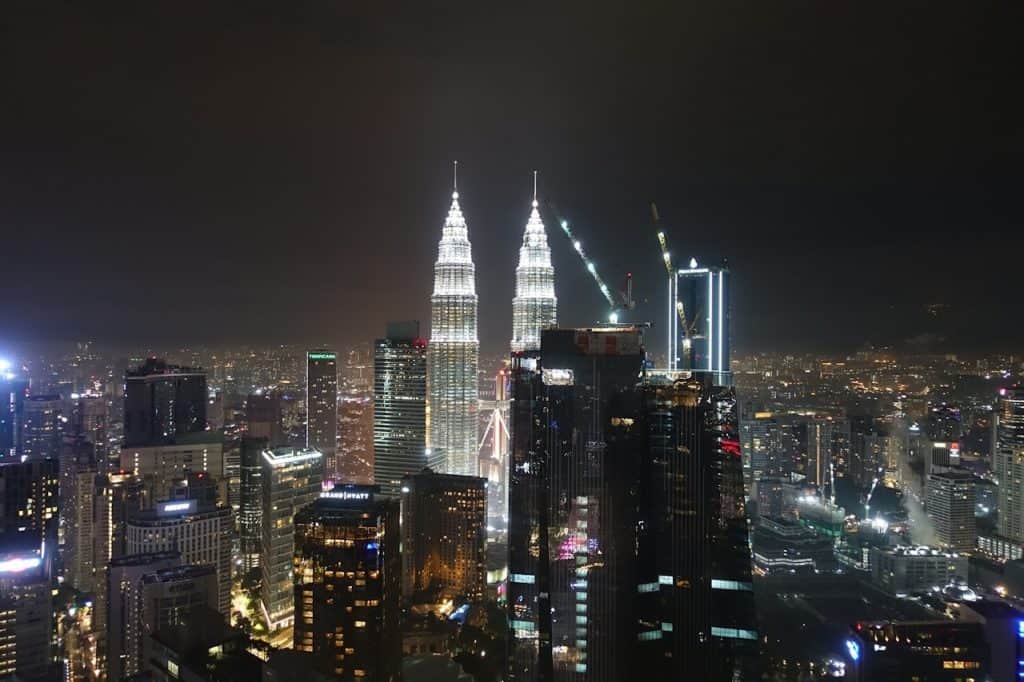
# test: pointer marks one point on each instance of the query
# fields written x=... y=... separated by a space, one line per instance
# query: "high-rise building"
x=322 y=406
x=250 y=506
x=162 y=403
x=125 y=629
x=534 y=306
x=399 y=405
x=201 y=533
x=444 y=536
x=702 y=343
x=347 y=584
x=291 y=479
x=40 y=430
x=29 y=494
x=453 y=354
x=26 y=610
x=89 y=420
x=627 y=520
x=951 y=508
x=263 y=416
x=1008 y=461
x=79 y=520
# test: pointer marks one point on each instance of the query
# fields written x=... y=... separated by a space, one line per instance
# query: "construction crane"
x=624 y=299
x=680 y=310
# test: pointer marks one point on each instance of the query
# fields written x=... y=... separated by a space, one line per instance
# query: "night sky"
x=178 y=173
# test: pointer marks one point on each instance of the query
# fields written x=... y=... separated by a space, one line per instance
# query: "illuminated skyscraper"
x=322 y=406
x=41 y=427
x=534 y=307
x=1008 y=461
x=399 y=405
x=702 y=343
x=291 y=479
x=453 y=353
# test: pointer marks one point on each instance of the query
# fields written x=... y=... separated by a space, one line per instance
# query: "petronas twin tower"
x=454 y=350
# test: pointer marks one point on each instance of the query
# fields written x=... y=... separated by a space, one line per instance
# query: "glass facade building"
x=399 y=405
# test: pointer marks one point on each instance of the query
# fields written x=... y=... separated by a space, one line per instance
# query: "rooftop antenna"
x=455 y=180
x=535 y=189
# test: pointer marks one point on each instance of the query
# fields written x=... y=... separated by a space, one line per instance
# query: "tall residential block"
x=1008 y=461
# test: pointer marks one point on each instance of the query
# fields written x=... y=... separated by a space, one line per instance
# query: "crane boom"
x=587 y=262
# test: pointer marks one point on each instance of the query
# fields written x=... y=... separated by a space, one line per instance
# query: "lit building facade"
x=201 y=533
x=1008 y=461
x=453 y=354
x=160 y=467
x=534 y=307
x=29 y=495
x=250 y=505
x=291 y=479
x=348 y=584
x=125 y=629
x=399 y=405
x=322 y=406
x=444 y=533
x=26 y=611
x=951 y=508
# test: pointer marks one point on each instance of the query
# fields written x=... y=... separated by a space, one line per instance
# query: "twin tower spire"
x=454 y=350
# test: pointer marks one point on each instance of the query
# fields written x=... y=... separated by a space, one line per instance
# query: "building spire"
x=535 y=189
x=455 y=179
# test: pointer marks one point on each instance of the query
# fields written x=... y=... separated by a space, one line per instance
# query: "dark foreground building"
x=162 y=403
x=940 y=650
x=628 y=554
x=348 y=584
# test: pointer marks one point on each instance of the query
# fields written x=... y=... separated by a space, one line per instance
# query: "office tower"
x=40 y=430
x=819 y=453
x=399 y=405
x=355 y=436
x=322 y=406
x=26 y=620
x=291 y=479
x=944 y=423
x=12 y=397
x=149 y=592
x=951 y=508
x=702 y=343
x=534 y=306
x=159 y=467
x=162 y=403
x=201 y=533
x=29 y=494
x=263 y=415
x=453 y=354
x=250 y=506
x=921 y=650
x=347 y=584
x=1008 y=461
x=627 y=521
x=444 y=533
